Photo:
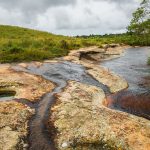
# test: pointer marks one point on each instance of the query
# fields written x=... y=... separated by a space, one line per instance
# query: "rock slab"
x=84 y=123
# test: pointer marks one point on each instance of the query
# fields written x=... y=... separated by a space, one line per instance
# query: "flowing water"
x=133 y=67
x=40 y=137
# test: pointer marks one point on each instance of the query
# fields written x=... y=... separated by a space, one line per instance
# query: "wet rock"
x=95 y=53
x=130 y=102
x=105 y=76
x=25 y=85
x=74 y=55
x=14 y=116
x=13 y=125
x=83 y=122
x=114 y=82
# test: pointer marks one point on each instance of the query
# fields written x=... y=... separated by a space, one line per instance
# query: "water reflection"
x=133 y=67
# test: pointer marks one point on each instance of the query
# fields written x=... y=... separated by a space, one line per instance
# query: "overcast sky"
x=69 y=17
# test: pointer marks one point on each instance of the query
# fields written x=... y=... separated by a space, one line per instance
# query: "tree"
x=140 y=24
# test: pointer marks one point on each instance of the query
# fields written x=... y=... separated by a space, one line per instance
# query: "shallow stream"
x=133 y=67
x=58 y=73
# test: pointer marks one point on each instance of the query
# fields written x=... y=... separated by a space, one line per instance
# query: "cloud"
x=33 y=5
x=69 y=17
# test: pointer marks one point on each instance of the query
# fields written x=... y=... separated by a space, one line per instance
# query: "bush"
x=87 y=43
x=8 y=58
x=64 y=44
x=38 y=55
x=148 y=62
x=15 y=49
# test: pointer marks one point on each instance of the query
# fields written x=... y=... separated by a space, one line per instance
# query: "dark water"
x=40 y=138
x=7 y=95
x=133 y=67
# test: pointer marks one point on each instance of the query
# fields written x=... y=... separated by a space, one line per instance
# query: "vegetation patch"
x=148 y=61
x=20 y=44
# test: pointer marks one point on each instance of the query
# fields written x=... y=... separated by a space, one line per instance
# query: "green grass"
x=20 y=44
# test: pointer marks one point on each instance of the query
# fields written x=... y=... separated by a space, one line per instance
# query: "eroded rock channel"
x=59 y=73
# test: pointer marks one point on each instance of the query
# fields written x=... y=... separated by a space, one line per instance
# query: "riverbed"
x=133 y=67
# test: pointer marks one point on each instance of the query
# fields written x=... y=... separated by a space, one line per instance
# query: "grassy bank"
x=20 y=44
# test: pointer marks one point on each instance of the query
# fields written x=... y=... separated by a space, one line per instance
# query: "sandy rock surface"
x=13 y=125
x=95 y=53
x=115 y=82
x=25 y=85
x=84 y=123
x=14 y=116
x=26 y=65
x=86 y=57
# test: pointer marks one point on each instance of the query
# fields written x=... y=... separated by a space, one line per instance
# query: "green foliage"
x=140 y=24
x=139 y=28
x=126 y=38
x=20 y=44
x=148 y=62
x=64 y=44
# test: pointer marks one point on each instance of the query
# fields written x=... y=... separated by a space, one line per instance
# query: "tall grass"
x=20 y=44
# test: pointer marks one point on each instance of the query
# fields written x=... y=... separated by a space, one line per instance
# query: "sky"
x=69 y=17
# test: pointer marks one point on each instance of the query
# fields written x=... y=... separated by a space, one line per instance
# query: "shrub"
x=15 y=49
x=87 y=43
x=64 y=44
x=58 y=52
x=148 y=62
x=38 y=55
x=26 y=43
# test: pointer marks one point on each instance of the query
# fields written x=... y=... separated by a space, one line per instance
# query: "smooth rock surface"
x=115 y=82
x=84 y=123
x=14 y=116
x=26 y=86
x=95 y=54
